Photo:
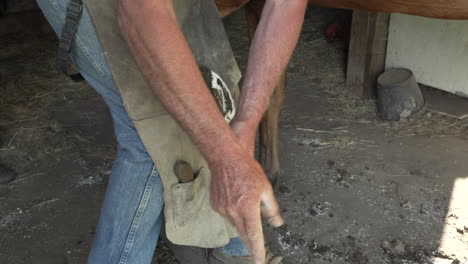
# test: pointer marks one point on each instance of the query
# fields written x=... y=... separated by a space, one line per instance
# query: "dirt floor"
x=353 y=188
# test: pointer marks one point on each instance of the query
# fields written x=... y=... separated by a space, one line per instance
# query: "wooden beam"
x=367 y=52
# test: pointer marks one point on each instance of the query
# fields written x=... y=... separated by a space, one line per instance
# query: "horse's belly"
x=449 y=9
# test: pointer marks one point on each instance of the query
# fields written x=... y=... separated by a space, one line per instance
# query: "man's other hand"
x=241 y=192
x=246 y=134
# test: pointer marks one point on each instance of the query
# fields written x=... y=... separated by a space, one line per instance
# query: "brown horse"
x=448 y=9
x=268 y=130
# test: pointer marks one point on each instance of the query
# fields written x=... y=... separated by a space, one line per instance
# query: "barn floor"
x=353 y=189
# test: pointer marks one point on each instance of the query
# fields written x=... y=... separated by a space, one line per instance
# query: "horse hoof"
x=273 y=178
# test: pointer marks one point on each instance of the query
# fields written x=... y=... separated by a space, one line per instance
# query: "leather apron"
x=190 y=220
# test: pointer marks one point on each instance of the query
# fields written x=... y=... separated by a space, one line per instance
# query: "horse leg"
x=268 y=130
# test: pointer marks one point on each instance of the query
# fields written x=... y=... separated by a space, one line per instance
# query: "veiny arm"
x=239 y=185
x=164 y=57
x=274 y=41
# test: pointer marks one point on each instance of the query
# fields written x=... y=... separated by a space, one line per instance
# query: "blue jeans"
x=132 y=211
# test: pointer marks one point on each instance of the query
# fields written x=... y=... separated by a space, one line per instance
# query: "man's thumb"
x=270 y=210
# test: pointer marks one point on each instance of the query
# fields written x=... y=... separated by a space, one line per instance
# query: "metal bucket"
x=399 y=95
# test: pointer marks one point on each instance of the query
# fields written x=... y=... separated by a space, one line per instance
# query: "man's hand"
x=241 y=192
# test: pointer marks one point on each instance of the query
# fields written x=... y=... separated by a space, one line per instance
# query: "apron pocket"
x=188 y=199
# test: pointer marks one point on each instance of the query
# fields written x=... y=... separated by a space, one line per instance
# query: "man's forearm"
x=164 y=57
x=272 y=46
x=238 y=185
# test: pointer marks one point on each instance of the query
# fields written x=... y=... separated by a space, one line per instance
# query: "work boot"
x=217 y=257
x=186 y=254
x=6 y=175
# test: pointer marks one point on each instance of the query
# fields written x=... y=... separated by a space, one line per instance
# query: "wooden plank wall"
x=436 y=50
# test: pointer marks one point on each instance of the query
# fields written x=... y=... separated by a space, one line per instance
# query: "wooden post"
x=367 y=52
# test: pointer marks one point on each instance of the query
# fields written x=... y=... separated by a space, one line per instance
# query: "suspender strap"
x=74 y=10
